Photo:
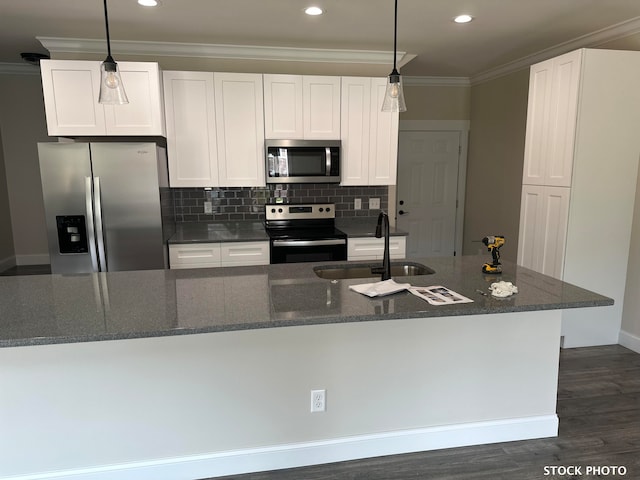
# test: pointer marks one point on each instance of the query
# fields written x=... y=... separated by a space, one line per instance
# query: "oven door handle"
x=307 y=243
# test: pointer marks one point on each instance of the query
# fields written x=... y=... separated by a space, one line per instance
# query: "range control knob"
x=328 y=209
x=322 y=209
x=279 y=210
x=273 y=210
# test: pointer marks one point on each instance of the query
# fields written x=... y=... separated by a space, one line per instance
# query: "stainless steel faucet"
x=385 y=270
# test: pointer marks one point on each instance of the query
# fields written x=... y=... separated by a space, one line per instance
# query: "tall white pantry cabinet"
x=580 y=173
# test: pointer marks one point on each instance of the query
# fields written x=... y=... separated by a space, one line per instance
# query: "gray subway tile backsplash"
x=247 y=203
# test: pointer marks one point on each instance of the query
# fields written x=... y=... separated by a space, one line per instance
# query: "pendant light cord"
x=106 y=24
x=395 y=33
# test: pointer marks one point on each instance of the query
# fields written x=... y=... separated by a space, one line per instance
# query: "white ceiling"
x=504 y=31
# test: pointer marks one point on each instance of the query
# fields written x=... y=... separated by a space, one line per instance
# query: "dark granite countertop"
x=50 y=309
x=253 y=231
x=245 y=231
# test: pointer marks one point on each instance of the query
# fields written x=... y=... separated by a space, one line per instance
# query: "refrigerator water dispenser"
x=72 y=233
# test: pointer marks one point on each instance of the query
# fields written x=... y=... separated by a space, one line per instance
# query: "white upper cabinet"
x=240 y=129
x=302 y=107
x=369 y=136
x=283 y=107
x=71 y=90
x=191 y=129
x=321 y=107
x=215 y=129
x=144 y=114
x=551 y=117
x=383 y=150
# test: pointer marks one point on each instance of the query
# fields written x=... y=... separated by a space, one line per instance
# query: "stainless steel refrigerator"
x=102 y=205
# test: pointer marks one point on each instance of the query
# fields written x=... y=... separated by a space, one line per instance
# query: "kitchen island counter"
x=37 y=310
x=197 y=381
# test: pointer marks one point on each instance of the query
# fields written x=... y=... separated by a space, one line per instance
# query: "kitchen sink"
x=364 y=270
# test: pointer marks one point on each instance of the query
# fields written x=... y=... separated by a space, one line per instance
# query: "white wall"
x=194 y=406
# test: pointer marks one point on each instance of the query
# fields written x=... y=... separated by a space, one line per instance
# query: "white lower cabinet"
x=227 y=254
x=244 y=253
x=371 y=248
x=194 y=255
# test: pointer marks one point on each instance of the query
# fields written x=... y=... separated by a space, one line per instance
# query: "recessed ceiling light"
x=148 y=3
x=313 y=11
x=463 y=19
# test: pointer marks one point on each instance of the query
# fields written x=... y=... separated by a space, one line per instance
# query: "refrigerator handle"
x=90 y=228
x=99 y=232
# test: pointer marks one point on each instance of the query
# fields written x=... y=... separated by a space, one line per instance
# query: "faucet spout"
x=382 y=228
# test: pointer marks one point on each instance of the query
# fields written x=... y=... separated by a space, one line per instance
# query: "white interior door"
x=428 y=163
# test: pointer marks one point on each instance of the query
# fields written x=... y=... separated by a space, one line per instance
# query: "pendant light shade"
x=394 y=95
x=111 y=88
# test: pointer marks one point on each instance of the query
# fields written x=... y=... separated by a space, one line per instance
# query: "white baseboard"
x=34 y=259
x=315 y=453
x=632 y=342
x=7 y=263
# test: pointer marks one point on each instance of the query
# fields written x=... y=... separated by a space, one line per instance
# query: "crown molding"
x=238 y=52
x=290 y=54
x=18 y=69
x=594 y=39
x=435 y=81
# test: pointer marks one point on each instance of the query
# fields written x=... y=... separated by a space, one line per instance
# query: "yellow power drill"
x=493 y=244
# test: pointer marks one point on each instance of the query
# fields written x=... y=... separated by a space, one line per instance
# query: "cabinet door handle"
x=402 y=212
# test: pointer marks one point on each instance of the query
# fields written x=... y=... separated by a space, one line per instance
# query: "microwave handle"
x=327 y=152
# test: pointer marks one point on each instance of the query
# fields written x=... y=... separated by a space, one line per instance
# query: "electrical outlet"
x=357 y=203
x=208 y=207
x=374 y=204
x=318 y=401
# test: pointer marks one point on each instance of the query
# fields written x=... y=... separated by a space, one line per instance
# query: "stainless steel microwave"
x=303 y=161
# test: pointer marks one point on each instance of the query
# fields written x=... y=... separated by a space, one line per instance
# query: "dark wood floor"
x=27 y=270
x=599 y=410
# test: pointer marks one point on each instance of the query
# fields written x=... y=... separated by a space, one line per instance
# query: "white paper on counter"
x=378 y=289
x=439 y=295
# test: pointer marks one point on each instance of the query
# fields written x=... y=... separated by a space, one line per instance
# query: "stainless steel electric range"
x=304 y=233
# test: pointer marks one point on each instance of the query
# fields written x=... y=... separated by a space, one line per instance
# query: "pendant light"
x=111 y=88
x=394 y=96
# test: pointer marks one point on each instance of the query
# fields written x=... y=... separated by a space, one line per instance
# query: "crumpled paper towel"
x=378 y=289
x=503 y=289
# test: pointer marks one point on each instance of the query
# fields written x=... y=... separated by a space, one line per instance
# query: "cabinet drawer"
x=371 y=248
x=200 y=255
x=244 y=253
